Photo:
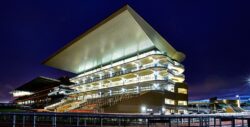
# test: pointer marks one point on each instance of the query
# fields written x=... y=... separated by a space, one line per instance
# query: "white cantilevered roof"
x=121 y=35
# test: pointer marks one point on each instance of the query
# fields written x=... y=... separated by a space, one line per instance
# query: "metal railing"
x=108 y=120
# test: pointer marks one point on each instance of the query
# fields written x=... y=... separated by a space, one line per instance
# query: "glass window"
x=169 y=101
x=182 y=102
x=182 y=90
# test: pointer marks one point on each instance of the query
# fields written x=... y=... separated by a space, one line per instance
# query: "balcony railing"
x=125 y=82
x=119 y=73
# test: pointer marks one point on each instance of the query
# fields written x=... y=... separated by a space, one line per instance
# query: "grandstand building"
x=122 y=65
x=35 y=93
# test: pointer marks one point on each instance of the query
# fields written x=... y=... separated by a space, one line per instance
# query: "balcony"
x=125 y=82
x=122 y=72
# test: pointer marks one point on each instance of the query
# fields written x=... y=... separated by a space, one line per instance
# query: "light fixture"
x=163 y=109
x=156 y=86
x=143 y=109
x=123 y=90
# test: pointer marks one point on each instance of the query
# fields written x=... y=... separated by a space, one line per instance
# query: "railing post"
x=85 y=122
x=220 y=122
x=34 y=120
x=101 y=121
x=14 y=120
x=54 y=121
x=169 y=122
x=242 y=122
x=214 y=121
x=189 y=121
x=147 y=122
x=23 y=120
x=77 y=121
x=248 y=122
x=233 y=122
x=208 y=120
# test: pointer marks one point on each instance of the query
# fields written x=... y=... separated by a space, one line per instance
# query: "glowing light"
x=123 y=90
x=163 y=109
x=248 y=80
x=156 y=86
x=143 y=108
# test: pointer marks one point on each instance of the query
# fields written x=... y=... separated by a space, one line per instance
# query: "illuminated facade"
x=122 y=65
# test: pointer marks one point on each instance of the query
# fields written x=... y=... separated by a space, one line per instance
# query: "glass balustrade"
x=94 y=79
x=151 y=77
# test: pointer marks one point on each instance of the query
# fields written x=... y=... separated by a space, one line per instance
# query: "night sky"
x=214 y=35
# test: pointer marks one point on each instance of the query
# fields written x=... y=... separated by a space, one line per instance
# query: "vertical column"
x=54 y=121
x=101 y=122
x=23 y=120
x=220 y=121
x=77 y=121
x=242 y=122
x=214 y=121
x=248 y=122
x=14 y=120
x=189 y=121
x=34 y=120
x=233 y=122
x=169 y=122
x=208 y=121
x=119 y=122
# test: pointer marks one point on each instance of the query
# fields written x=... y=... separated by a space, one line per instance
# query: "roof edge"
x=114 y=14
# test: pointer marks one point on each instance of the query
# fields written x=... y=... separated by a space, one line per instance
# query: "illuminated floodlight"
x=143 y=109
x=237 y=96
x=123 y=90
x=248 y=80
x=163 y=109
x=137 y=89
x=156 y=86
x=110 y=92
x=123 y=69
x=110 y=73
x=156 y=73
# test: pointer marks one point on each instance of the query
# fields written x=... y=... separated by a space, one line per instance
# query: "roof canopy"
x=39 y=83
x=121 y=35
